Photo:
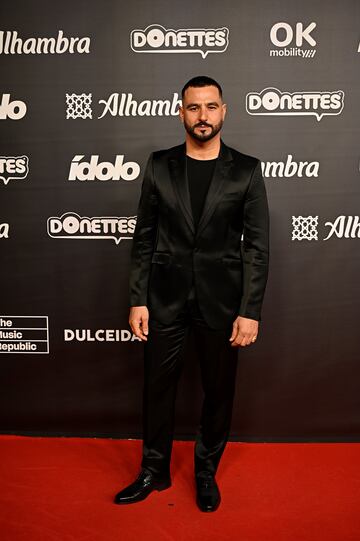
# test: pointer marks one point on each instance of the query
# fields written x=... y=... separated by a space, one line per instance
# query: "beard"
x=199 y=136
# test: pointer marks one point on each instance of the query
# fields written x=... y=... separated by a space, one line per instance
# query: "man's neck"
x=202 y=150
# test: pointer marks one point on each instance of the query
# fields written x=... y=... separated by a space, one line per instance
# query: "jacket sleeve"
x=255 y=246
x=144 y=238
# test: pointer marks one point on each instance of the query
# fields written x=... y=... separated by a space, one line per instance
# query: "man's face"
x=202 y=112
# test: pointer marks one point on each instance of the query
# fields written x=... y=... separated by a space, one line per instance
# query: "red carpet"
x=61 y=489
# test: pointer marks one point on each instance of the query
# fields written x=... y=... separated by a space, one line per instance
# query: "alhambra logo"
x=121 y=104
x=306 y=227
x=290 y=168
x=11 y=43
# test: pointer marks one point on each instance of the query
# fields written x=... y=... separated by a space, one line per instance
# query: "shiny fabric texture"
x=169 y=254
x=163 y=364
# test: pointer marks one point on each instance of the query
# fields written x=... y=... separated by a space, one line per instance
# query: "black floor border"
x=239 y=438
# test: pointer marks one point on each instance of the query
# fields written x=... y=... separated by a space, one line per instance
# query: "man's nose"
x=203 y=114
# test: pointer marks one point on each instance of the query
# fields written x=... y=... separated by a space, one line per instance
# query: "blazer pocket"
x=231 y=195
x=232 y=261
x=160 y=257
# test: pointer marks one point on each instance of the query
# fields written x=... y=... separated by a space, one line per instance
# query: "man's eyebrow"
x=208 y=103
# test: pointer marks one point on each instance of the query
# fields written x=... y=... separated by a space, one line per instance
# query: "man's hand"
x=139 y=321
x=245 y=331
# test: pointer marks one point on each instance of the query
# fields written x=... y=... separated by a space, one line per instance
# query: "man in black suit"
x=200 y=257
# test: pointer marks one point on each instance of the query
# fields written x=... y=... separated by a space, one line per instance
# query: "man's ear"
x=181 y=113
x=224 y=108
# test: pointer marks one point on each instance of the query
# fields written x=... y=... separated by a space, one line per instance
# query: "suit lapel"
x=177 y=167
x=222 y=172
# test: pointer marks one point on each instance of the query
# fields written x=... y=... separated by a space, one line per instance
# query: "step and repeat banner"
x=88 y=90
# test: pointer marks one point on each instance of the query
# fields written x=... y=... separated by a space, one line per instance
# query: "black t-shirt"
x=199 y=174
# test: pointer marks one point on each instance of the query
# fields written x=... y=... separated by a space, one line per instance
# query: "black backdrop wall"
x=78 y=118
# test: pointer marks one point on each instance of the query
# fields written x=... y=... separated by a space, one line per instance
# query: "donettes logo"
x=157 y=39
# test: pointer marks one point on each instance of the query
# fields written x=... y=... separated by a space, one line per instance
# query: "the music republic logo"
x=157 y=39
x=271 y=101
x=72 y=226
x=24 y=334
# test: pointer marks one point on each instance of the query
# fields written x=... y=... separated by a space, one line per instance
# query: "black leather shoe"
x=143 y=485
x=207 y=492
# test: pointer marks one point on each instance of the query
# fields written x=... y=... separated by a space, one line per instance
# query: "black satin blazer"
x=230 y=272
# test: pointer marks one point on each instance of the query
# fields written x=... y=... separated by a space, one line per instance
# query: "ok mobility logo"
x=272 y=101
x=157 y=39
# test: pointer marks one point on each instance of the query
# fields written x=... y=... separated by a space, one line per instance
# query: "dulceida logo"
x=72 y=226
x=99 y=335
x=272 y=101
x=293 y=40
x=92 y=169
x=11 y=43
x=155 y=38
x=13 y=168
x=305 y=227
x=290 y=169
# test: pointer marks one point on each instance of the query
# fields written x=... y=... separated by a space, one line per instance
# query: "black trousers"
x=163 y=358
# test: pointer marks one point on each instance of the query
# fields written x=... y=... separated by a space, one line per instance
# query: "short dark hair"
x=200 y=81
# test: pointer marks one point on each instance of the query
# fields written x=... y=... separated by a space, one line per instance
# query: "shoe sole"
x=158 y=486
x=206 y=510
x=162 y=486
